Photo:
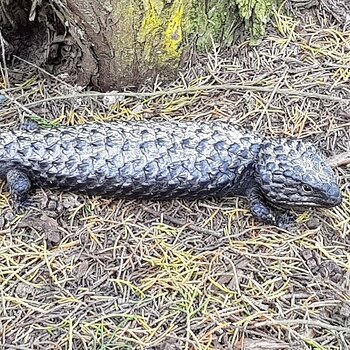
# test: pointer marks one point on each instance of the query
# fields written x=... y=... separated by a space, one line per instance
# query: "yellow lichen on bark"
x=161 y=30
x=173 y=32
x=151 y=24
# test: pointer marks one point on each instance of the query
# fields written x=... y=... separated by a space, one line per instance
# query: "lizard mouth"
x=325 y=203
x=321 y=204
x=336 y=201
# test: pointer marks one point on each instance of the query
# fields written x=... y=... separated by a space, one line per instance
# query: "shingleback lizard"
x=165 y=160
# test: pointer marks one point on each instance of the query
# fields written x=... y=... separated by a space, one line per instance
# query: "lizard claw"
x=20 y=206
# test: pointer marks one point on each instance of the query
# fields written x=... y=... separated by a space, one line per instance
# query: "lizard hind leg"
x=19 y=186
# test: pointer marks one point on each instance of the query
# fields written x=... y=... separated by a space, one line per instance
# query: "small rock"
x=2 y=222
x=22 y=290
x=332 y=271
x=110 y=100
x=53 y=237
x=2 y=99
x=52 y=205
x=82 y=269
x=307 y=254
x=9 y=216
x=313 y=223
x=70 y=202
x=345 y=310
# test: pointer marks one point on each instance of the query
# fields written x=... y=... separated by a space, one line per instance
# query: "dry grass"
x=89 y=273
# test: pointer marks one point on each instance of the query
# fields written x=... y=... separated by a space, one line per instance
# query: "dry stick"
x=181 y=222
x=43 y=70
x=4 y=72
x=310 y=323
x=15 y=347
x=195 y=89
x=20 y=106
x=339 y=159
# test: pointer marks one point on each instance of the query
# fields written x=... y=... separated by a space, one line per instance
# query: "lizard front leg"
x=19 y=186
x=263 y=212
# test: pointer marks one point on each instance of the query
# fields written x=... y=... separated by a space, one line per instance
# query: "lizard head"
x=291 y=173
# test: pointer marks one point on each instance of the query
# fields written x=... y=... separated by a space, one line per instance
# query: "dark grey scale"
x=176 y=170
x=126 y=146
x=220 y=147
x=67 y=148
x=202 y=146
x=188 y=143
x=100 y=165
x=62 y=170
x=50 y=139
x=148 y=149
x=297 y=169
x=292 y=153
x=266 y=177
x=25 y=152
x=245 y=142
x=300 y=147
x=151 y=170
x=137 y=167
x=39 y=150
x=287 y=173
x=279 y=178
x=244 y=153
x=271 y=166
x=164 y=172
x=307 y=178
x=161 y=142
x=202 y=167
x=278 y=149
x=282 y=157
x=234 y=148
x=84 y=167
x=125 y=171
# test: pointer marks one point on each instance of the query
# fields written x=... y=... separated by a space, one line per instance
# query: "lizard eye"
x=307 y=188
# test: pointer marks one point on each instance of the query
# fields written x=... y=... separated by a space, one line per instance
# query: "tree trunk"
x=128 y=42
x=123 y=43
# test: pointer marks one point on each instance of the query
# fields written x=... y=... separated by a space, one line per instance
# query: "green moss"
x=256 y=14
x=210 y=21
x=217 y=19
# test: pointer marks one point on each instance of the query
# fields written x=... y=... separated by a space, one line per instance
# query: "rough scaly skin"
x=164 y=160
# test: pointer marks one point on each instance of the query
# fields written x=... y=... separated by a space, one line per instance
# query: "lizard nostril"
x=334 y=194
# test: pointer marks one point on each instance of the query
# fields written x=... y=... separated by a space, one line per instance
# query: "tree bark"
x=128 y=42
x=123 y=43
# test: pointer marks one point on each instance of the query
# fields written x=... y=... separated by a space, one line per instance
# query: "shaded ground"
x=89 y=273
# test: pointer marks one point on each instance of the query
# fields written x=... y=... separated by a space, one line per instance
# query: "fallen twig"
x=310 y=323
x=339 y=159
x=194 y=89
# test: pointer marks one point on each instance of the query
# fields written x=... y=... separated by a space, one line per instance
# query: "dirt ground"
x=83 y=272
